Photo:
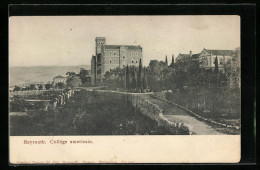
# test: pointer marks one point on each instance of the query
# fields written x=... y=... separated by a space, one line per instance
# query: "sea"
x=25 y=75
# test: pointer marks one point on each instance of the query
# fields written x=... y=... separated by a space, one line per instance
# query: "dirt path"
x=175 y=114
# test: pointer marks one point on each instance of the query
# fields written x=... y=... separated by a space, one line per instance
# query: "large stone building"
x=109 y=57
x=207 y=58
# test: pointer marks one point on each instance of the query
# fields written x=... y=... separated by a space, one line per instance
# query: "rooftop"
x=188 y=55
x=220 y=52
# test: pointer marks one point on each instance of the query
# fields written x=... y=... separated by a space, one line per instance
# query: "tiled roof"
x=118 y=46
x=185 y=55
x=195 y=56
x=221 y=52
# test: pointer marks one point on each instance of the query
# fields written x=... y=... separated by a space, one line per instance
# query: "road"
x=175 y=114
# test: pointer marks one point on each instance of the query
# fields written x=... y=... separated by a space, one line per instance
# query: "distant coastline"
x=19 y=75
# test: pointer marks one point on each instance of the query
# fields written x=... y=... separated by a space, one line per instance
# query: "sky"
x=70 y=40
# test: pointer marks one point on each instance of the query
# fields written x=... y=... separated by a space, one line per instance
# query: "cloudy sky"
x=70 y=40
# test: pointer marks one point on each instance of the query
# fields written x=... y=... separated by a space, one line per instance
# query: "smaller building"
x=187 y=57
x=59 y=79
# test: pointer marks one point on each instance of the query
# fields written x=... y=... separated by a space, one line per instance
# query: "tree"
x=84 y=76
x=128 y=85
x=216 y=65
x=70 y=73
x=166 y=61
x=32 y=87
x=154 y=67
x=73 y=81
x=139 y=76
x=133 y=84
x=40 y=87
x=172 y=64
x=17 y=88
x=60 y=85
x=48 y=86
x=145 y=83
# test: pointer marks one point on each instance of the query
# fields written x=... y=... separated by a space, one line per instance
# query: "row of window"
x=220 y=61
x=115 y=53
x=115 y=60
x=113 y=67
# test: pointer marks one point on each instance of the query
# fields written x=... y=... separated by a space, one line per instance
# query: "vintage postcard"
x=124 y=89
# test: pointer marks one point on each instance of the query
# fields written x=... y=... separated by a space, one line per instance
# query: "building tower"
x=100 y=41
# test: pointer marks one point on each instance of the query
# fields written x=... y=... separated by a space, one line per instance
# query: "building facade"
x=109 y=57
x=59 y=79
x=207 y=58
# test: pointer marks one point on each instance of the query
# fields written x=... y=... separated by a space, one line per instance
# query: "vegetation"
x=73 y=81
x=82 y=115
x=17 y=88
x=60 y=85
x=128 y=78
x=48 y=86
x=209 y=92
x=40 y=87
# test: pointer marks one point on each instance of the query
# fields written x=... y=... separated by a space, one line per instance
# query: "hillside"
x=22 y=75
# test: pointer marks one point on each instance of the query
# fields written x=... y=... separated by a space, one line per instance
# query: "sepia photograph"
x=124 y=76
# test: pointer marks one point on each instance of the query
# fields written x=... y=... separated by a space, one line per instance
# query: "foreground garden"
x=87 y=114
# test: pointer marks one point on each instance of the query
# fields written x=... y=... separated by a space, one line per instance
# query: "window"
x=123 y=56
x=221 y=61
x=132 y=61
x=114 y=53
x=123 y=65
x=110 y=61
x=136 y=62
